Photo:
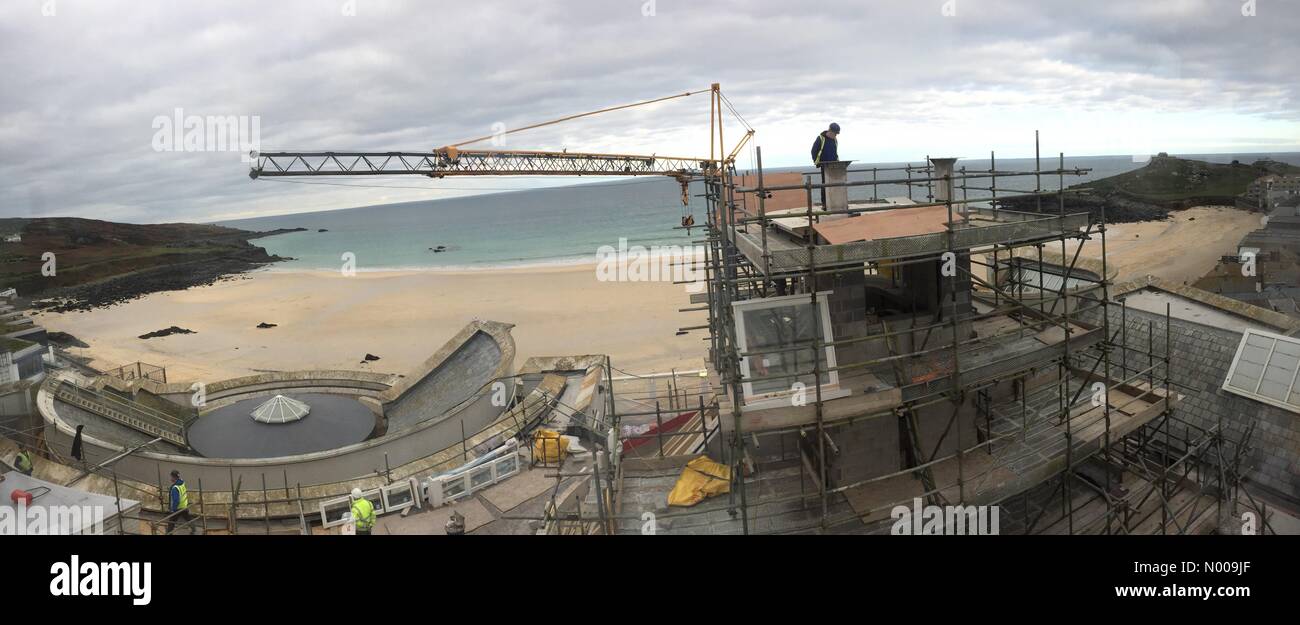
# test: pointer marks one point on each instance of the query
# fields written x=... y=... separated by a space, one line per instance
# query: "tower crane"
x=455 y=160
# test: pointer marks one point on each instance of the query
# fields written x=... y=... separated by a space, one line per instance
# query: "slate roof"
x=1202 y=356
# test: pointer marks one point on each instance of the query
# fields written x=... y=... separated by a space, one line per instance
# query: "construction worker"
x=455 y=524
x=825 y=147
x=180 y=508
x=23 y=461
x=363 y=513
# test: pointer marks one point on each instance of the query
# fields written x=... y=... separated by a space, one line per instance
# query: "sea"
x=572 y=224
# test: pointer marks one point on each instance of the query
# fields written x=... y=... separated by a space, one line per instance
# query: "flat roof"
x=779 y=200
x=58 y=495
x=1154 y=301
x=885 y=224
x=985 y=227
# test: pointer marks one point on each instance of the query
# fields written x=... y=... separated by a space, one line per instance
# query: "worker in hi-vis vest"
x=23 y=461
x=826 y=146
x=363 y=513
x=180 y=504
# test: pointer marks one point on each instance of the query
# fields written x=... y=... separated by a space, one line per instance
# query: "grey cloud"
x=81 y=88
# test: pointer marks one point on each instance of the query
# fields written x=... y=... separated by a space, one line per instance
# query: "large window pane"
x=770 y=329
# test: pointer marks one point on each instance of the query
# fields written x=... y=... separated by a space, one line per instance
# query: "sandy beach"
x=328 y=320
x=1180 y=249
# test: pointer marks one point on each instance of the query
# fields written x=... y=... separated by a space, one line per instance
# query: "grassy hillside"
x=1167 y=179
x=93 y=258
x=1165 y=183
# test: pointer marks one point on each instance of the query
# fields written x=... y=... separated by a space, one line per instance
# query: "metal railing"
x=124 y=412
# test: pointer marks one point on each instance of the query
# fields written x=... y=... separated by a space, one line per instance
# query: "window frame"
x=1255 y=395
x=827 y=336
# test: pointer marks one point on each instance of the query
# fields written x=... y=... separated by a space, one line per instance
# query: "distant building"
x=1271 y=191
x=13 y=238
x=23 y=345
x=21 y=360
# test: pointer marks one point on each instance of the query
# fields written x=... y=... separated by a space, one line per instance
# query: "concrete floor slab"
x=434 y=521
x=520 y=488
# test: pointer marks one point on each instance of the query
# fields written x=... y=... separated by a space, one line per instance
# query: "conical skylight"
x=280 y=409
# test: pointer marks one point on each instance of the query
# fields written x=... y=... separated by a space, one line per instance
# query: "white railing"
x=394 y=497
x=462 y=482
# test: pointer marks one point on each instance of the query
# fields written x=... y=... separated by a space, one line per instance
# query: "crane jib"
x=455 y=162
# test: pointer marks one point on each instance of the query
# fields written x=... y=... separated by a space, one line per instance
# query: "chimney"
x=943 y=189
x=837 y=198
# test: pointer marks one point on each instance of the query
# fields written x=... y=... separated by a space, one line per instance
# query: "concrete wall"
x=931 y=289
x=932 y=421
x=873 y=447
x=366 y=459
x=847 y=307
x=868 y=449
x=18 y=416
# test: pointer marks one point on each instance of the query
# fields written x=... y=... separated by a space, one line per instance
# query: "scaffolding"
x=993 y=390
x=1086 y=422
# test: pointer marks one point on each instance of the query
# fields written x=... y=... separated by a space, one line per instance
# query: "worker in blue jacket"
x=180 y=504
x=826 y=147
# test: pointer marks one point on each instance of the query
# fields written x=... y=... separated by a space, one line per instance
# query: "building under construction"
x=867 y=359
x=894 y=353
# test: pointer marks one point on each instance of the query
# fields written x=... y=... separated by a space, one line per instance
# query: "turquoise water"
x=558 y=225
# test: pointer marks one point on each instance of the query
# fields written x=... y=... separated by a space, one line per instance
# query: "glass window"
x=774 y=326
x=1265 y=368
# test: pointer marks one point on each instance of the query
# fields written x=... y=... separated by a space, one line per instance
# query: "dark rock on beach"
x=63 y=339
x=167 y=332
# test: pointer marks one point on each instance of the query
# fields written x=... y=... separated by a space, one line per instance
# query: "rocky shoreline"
x=1116 y=207
x=101 y=264
x=1163 y=185
x=175 y=277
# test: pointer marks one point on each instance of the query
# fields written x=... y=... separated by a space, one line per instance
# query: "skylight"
x=1265 y=369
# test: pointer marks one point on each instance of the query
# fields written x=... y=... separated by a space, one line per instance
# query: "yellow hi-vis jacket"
x=180 y=496
x=23 y=463
x=363 y=513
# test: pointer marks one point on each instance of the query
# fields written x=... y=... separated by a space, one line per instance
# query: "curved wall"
x=361 y=460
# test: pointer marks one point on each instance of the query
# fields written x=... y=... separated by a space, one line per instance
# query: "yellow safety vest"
x=183 y=498
x=363 y=513
x=23 y=462
x=821 y=147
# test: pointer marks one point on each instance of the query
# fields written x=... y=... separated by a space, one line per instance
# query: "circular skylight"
x=280 y=409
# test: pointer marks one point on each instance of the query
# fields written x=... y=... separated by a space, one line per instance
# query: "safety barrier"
x=134 y=416
x=464 y=481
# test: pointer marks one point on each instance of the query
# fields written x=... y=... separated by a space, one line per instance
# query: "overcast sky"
x=84 y=82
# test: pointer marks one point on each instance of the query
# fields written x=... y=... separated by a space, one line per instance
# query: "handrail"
x=122 y=411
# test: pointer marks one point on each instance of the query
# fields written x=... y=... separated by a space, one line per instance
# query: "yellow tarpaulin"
x=701 y=478
x=549 y=446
